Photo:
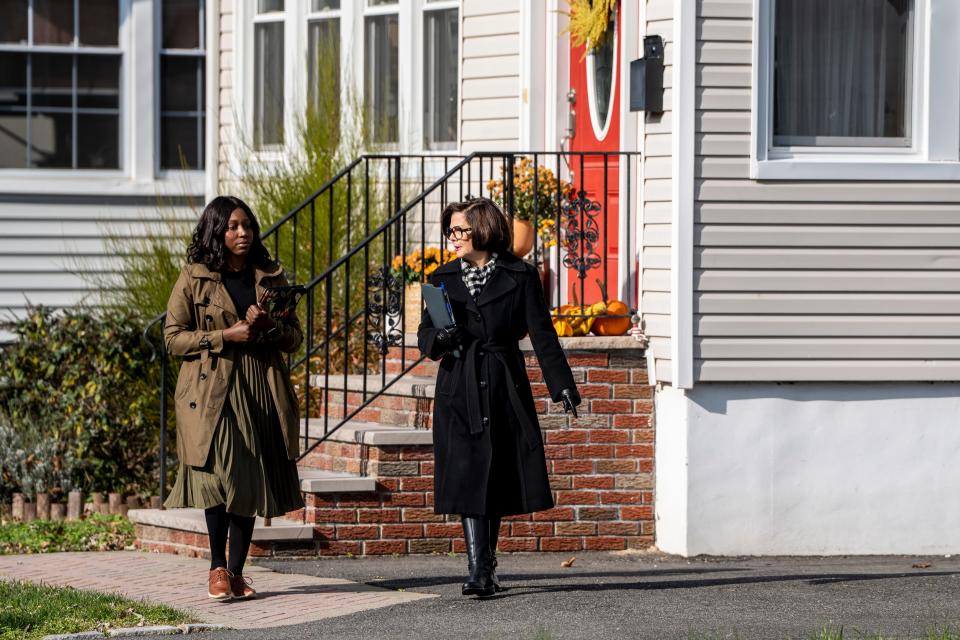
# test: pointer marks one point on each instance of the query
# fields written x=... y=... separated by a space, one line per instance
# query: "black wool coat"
x=488 y=448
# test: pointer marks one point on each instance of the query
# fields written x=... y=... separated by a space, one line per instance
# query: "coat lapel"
x=500 y=283
x=451 y=275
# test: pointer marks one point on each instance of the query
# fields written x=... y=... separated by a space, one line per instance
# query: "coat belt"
x=530 y=431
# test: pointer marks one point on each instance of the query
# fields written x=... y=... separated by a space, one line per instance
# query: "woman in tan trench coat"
x=237 y=415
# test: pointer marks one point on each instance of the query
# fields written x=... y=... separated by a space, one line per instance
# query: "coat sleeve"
x=546 y=344
x=181 y=335
x=289 y=336
x=427 y=335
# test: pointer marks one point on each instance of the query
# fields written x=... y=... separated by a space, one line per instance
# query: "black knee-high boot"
x=476 y=534
x=494 y=536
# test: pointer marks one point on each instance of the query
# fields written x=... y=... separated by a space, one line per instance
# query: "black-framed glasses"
x=458 y=233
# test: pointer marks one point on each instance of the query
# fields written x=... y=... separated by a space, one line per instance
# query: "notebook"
x=438 y=306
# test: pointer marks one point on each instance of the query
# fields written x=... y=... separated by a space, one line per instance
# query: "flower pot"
x=411 y=307
x=523 y=235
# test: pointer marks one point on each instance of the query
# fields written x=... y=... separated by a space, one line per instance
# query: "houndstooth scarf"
x=476 y=277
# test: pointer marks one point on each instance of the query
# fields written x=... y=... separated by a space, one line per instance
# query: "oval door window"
x=601 y=71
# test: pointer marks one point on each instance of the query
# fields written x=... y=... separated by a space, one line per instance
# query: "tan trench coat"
x=200 y=308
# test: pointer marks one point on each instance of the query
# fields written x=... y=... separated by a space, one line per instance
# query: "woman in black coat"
x=488 y=449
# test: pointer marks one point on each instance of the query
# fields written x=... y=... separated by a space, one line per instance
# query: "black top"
x=242 y=289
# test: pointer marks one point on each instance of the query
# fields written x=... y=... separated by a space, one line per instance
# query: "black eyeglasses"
x=458 y=233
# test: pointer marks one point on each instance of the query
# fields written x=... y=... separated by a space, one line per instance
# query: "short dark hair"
x=207 y=246
x=492 y=230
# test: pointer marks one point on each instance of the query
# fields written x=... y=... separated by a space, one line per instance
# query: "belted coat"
x=199 y=310
x=488 y=448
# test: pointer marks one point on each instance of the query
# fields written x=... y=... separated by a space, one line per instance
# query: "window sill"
x=99 y=183
x=891 y=169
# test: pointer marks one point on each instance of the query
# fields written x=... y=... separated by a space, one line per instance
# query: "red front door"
x=594 y=78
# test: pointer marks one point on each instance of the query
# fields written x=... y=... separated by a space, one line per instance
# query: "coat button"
x=206 y=300
x=476 y=315
x=486 y=420
x=483 y=384
x=209 y=318
x=481 y=353
x=203 y=376
x=193 y=405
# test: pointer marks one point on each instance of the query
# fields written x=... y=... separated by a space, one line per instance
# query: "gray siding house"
x=102 y=117
x=794 y=242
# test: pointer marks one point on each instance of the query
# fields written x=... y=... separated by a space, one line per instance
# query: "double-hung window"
x=60 y=63
x=842 y=72
x=268 y=73
x=863 y=89
x=440 y=74
x=381 y=73
x=323 y=57
x=182 y=85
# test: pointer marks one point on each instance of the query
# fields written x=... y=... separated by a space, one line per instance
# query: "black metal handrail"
x=355 y=309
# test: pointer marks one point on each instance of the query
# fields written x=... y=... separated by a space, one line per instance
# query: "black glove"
x=571 y=399
x=449 y=338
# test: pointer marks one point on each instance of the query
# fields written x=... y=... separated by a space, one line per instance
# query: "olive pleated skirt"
x=247 y=469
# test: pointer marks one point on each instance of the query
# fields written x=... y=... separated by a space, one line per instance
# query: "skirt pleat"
x=247 y=469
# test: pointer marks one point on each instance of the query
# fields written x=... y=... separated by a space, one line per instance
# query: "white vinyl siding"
x=45 y=245
x=490 y=83
x=657 y=207
x=228 y=135
x=810 y=281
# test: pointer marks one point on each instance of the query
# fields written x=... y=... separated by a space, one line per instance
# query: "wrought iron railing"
x=341 y=243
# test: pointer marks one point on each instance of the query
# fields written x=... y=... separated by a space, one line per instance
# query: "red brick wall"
x=600 y=465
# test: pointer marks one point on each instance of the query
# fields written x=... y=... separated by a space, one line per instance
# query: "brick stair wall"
x=601 y=471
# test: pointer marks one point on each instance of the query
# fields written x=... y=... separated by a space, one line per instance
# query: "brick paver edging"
x=180 y=582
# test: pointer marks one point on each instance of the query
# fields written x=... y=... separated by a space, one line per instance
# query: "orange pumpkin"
x=615 y=326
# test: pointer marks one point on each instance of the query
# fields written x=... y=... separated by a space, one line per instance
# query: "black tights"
x=240 y=528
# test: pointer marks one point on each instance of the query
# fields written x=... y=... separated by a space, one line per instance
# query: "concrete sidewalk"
x=182 y=583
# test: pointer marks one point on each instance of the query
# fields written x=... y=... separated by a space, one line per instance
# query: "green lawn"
x=96 y=533
x=29 y=611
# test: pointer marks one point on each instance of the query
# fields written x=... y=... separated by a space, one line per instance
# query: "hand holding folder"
x=438 y=306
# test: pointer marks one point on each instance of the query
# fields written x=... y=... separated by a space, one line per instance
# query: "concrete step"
x=192 y=520
x=323 y=481
x=408 y=385
x=372 y=433
x=356 y=449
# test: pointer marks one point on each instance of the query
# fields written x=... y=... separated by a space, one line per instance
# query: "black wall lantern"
x=646 y=77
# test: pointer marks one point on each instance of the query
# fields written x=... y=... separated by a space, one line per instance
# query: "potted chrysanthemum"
x=535 y=193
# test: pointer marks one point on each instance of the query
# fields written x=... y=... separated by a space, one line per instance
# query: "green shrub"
x=80 y=390
x=31 y=463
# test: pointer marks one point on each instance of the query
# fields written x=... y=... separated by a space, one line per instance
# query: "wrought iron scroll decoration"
x=581 y=234
x=383 y=310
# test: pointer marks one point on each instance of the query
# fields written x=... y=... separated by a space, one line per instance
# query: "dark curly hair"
x=207 y=246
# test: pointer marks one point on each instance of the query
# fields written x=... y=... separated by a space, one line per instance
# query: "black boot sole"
x=478 y=591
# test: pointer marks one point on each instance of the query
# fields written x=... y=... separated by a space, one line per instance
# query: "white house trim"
x=532 y=83
x=934 y=153
x=629 y=47
x=682 y=187
x=212 y=134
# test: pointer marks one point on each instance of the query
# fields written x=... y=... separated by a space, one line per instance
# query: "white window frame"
x=405 y=26
x=286 y=18
x=352 y=54
x=429 y=6
x=934 y=99
x=319 y=16
x=139 y=173
x=204 y=52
